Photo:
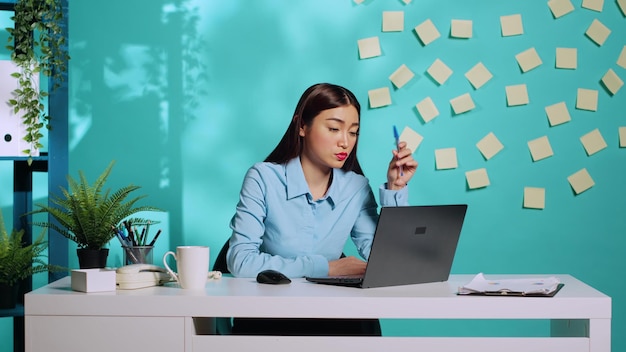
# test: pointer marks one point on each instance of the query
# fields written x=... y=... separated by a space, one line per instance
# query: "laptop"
x=412 y=245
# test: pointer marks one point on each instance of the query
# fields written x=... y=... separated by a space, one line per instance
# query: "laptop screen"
x=412 y=245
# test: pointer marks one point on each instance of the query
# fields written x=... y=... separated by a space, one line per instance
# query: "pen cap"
x=138 y=255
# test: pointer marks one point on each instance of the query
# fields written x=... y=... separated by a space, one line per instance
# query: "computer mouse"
x=272 y=277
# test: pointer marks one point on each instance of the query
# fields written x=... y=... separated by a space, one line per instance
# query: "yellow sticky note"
x=489 y=145
x=427 y=32
x=439 y=71
x=558 y=114
x=478 y=75
x=369 y=47
x=595 y=5
x=560 y=7
x=461 y=28
x=622 y=6
x=612 y=82
x=427 y=109
x=587 y=99
x=412 y=139
x=462 y=103
x=528 y=59
x=580 y=181
x=534 y=197
x=540 y=148
x=511 y=25
x=477 y=178
x=401 y=76
x=393 y=21
x=445 y=159
x=621 y=60
x=379 y=97
x=593 y=142
x=567 y=58
x=516 y=95
x=622 y=137
x=598 y=32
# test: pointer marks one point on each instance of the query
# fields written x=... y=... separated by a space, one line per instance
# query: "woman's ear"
x=301 y=132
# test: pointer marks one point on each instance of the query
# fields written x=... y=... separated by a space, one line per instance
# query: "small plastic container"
x=93 y=280
x=138 y=255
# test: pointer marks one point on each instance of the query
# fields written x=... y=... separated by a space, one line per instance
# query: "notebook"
x=412 y=245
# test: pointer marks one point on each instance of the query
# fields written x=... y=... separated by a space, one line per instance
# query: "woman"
x=298 y=207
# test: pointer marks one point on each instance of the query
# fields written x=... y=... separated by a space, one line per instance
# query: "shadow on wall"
x=138 y=96
x=133 y=95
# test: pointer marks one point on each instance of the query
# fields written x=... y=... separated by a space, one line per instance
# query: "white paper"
x=537 y=285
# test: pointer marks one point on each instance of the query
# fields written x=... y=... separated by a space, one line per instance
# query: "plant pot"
x=8 y=296
x=92 y=258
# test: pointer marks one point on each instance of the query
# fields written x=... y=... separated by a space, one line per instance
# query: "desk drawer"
x=95 y=334
x=376 y=344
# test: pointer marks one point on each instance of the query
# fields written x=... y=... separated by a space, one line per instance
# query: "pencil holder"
x=138 y=255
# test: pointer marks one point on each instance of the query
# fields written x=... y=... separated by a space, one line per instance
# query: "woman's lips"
x=342 y=156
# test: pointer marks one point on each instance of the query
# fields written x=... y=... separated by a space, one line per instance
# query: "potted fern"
x=19 y=261
x=86 y=214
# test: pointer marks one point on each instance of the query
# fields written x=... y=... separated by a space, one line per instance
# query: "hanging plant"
x=38 y=46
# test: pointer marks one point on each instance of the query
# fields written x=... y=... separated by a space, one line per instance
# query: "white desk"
x=162 y=318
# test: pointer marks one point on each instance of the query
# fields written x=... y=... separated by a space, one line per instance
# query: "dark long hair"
x=314 y=100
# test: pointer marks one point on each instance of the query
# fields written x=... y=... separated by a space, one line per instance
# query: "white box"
x=93 y=280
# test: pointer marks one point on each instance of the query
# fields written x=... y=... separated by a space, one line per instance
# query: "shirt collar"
x=297 y=186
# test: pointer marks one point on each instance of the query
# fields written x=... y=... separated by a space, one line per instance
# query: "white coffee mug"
x=193 y=266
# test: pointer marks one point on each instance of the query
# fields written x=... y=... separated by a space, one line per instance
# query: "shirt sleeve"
x=363 y=231
x=390 y=198
x=244 y=257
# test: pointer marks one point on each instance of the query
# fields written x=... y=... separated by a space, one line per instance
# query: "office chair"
x=288 y=326
x=220 y=260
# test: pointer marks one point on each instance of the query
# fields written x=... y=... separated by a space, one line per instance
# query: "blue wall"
x=186 y=97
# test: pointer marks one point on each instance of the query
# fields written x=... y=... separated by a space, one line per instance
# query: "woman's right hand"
x=346 y=266
x=401 y=168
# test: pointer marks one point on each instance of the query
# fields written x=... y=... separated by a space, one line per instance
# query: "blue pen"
x=127 y=241
x=397 y=137
x=120 y=236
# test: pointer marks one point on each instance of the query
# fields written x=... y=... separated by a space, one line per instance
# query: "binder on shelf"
x=12 y=130
x=526 y=287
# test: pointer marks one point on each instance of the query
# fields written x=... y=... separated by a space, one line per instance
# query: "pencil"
x=155 y=238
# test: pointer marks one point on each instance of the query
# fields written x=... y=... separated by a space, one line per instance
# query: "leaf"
x=86 y=211
x=18 y=260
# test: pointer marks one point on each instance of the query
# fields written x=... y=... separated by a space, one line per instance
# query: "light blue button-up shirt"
x=279 y=226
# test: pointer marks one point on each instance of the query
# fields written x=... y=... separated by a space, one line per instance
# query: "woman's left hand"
x=401 y=168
